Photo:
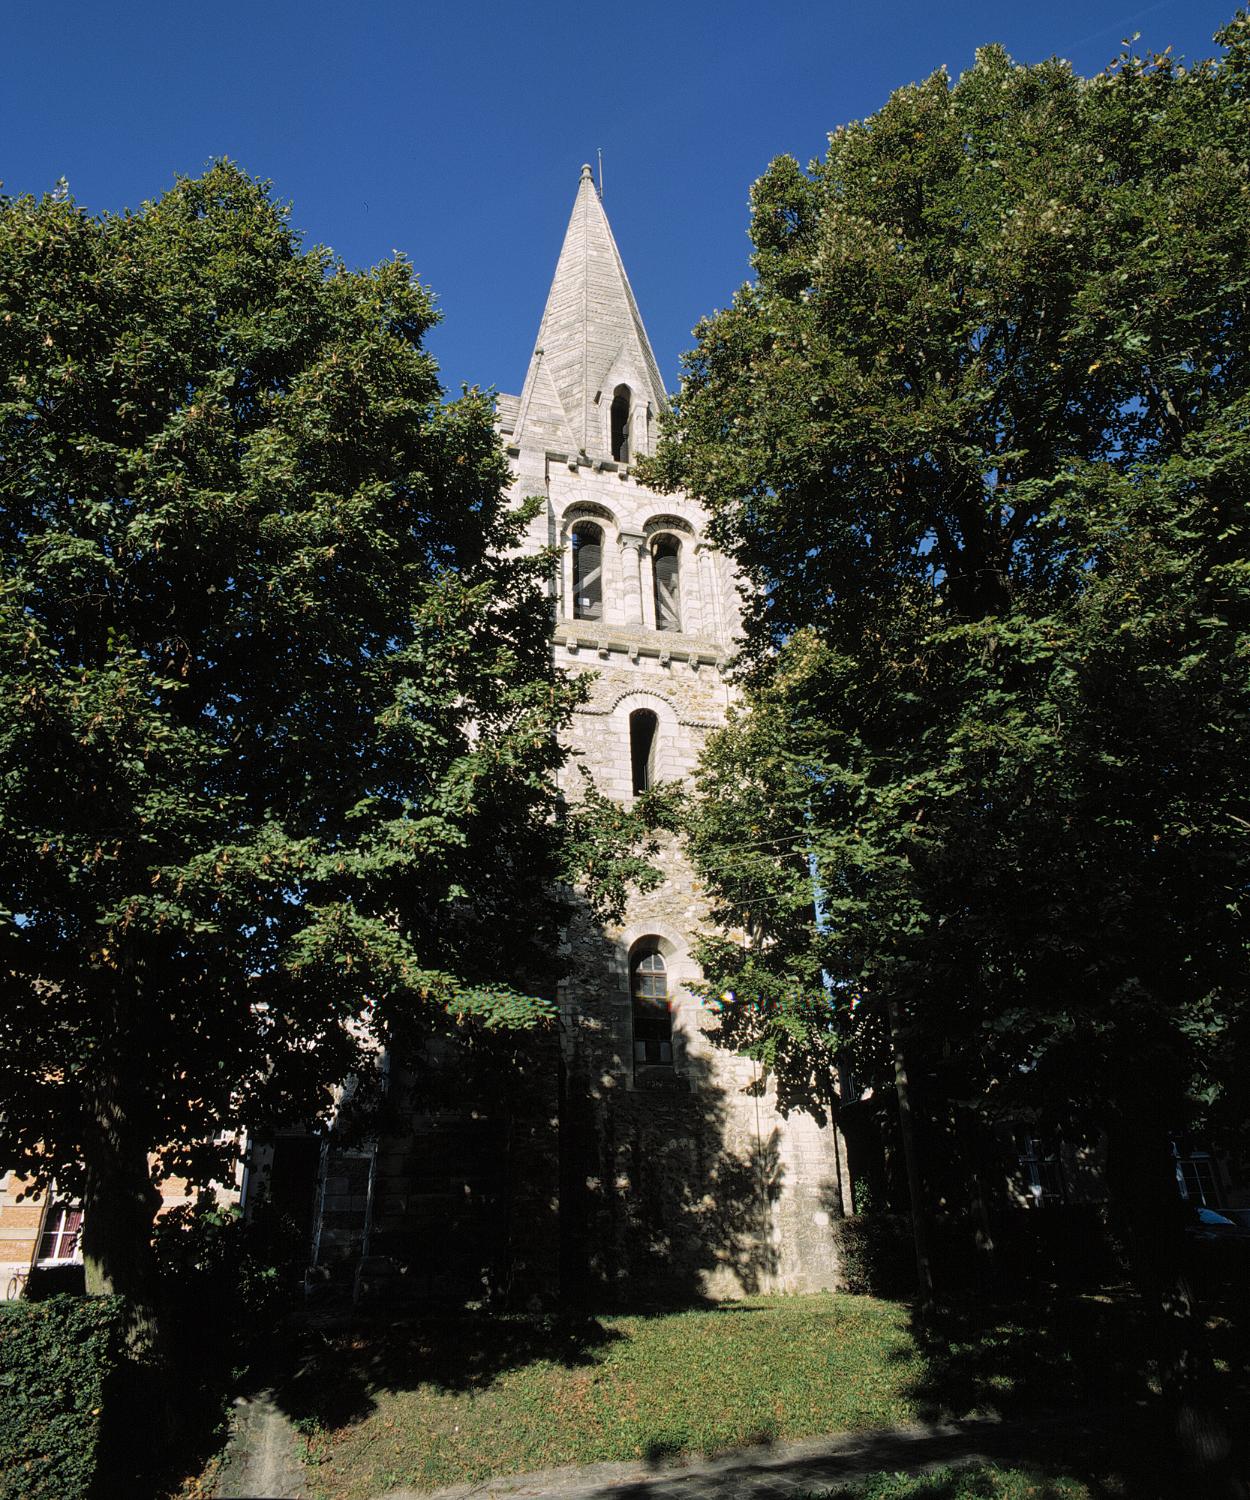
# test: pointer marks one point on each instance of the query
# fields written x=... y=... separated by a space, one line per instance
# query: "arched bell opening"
x=643 y=736
x=666 y=571
x=587 y=540
x=622 y=407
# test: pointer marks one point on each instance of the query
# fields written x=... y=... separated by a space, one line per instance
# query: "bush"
x=59 y=1360
x=1067 y=1244
x=876 y=1255
x=227 y=1282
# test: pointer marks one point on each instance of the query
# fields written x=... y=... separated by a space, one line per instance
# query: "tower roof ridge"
x=591 y=338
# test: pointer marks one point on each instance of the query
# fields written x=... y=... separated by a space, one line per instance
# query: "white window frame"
x=60 y=1207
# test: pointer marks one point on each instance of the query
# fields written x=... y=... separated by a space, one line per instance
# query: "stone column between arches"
x=707 y=588
x=647 y=576
x=565 y=592
x=694 y=619
x=632 y=544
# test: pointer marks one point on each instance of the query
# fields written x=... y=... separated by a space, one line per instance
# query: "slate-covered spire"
x=592 y=350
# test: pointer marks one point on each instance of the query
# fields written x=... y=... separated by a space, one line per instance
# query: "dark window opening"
x=621 y=403
x=653 y=1020
x=587 y=571
x=664 y=562
x=293 y=1181
x=643 y=727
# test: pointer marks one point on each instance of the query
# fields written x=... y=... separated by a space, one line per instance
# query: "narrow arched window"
x=653 y=1020
x=664 y=564
x=622 y=401
x=643 y=727
x=587 y=571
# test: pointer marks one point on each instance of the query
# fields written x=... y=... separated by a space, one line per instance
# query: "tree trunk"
x=838 y=1200
x=969 y=1134
x=906 y=1127
x=1150 y=1215
x=120 y=1203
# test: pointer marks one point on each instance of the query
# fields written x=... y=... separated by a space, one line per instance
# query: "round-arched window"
x=643 y=734
x=653 y=1020
x=622 y=405
x=665 y=564
x=587 y=571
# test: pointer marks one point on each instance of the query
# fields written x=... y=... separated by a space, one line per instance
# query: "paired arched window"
x=653 y=1020
x=622 y=404
x=643 y=734
x=665 y=566
x=587 y=571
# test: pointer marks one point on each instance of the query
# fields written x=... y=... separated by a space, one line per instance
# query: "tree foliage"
x=279 y=720
x=977 y=436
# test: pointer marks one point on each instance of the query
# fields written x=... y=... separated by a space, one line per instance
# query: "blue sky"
x=454 y=132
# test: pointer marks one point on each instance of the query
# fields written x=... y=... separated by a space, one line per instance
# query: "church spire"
x=593 y=385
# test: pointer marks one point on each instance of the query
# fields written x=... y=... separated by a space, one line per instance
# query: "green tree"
x=278 y=718
x=976 y=434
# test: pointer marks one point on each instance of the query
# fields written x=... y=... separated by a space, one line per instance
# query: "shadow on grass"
x=980 y=1483
x=667 y=1448
x=334 y=1371
x=1023 y=1357
x=1086 y=1361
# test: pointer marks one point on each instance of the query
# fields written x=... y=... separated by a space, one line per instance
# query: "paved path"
x=262 y=1458
x=779 y=1471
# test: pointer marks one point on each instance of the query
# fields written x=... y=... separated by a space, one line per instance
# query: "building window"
x=664 y=563
x=1040 y=1170
x=62 y=1227
x=653 y=1021
x=587 y=571
x=622 y=401
x=643 y=727
x=1195 y=1176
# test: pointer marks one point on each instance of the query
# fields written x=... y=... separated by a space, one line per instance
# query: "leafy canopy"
x=277 y=711
x=977 y=436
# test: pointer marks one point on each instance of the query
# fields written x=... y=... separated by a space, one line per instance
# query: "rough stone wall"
x=670 y=1174
x=466 y=1196
x=680 y=1181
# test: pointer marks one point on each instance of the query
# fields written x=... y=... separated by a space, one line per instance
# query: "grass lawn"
x=431 y=1402
x=508 y=1396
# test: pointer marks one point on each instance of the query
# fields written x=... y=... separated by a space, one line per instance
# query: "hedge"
x=1063 y=1243
x=876 y=1255
x=57 y=1360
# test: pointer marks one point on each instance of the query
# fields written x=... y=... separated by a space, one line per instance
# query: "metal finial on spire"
x=586 y=172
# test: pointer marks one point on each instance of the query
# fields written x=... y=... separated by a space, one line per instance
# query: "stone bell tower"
x=676 y=1176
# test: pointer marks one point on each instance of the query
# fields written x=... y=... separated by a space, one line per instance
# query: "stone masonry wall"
x=681 y=1182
